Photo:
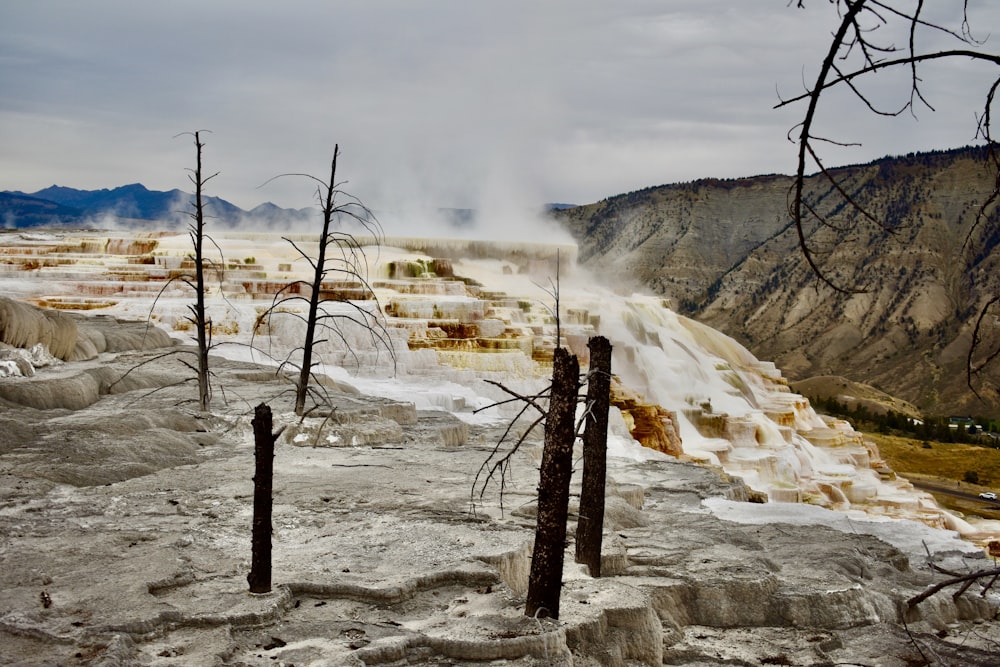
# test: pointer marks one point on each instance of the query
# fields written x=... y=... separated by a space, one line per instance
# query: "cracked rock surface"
x=125 y=540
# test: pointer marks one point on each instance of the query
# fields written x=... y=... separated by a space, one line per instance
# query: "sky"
x=439 y=103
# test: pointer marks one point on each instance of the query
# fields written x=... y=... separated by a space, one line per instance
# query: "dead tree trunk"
x=545 y=579
x=590 y=526
x=315 y=296
x=200 y=317
x=260 y=548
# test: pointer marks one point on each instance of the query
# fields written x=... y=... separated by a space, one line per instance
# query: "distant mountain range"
x=130 y=205
x=136 y=206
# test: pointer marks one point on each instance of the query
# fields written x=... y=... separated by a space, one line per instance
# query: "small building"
x=960 y=422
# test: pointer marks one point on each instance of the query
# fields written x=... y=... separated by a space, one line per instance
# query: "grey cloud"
x=507 y=104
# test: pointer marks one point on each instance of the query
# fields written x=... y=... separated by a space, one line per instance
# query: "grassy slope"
x=945 y=465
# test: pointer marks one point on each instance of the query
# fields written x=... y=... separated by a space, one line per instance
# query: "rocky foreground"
x=125 y=540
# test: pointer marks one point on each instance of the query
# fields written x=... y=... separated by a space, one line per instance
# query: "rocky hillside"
x=726 y=253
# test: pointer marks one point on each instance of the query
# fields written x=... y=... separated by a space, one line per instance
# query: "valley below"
x=941 y=469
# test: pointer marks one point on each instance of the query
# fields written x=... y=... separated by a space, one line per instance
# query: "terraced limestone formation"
x=125 y=518
x=475 y=311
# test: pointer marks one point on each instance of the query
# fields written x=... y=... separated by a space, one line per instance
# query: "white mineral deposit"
x=741 y=528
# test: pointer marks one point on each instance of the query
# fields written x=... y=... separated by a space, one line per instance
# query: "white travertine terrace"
x=460 y=312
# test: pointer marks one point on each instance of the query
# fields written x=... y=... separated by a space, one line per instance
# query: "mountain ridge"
x=132 y=204
x=21 y=210
x=726 y=252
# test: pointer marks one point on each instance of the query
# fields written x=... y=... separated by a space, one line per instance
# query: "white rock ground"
x=131 y=547
x=125 y=526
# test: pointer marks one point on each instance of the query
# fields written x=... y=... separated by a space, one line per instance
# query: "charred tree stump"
x=545 y=579
x=260 y=547
x=590 y=526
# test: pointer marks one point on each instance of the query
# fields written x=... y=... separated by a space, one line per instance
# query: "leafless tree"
x=198 y=314
x=259 y=576
x=863 y=47
x=556 y=408
x=340 y=254
x=590 y=525
x=555 y=472
x=202 y=324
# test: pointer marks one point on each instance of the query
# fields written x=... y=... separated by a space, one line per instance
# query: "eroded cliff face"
x=725 y=253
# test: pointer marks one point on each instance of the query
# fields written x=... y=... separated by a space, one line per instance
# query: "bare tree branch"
x=971 y=577
x=856 y=50
x=351 y=264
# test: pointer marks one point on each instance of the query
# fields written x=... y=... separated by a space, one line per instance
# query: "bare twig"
x=917 y=599
x=857 y=51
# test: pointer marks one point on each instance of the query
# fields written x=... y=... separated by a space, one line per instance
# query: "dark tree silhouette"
x=590 y=525
x=259 y=577
x=202 y=324
x=862 y=48
x=545 y=578
x=556 y=469
x=198 y=314
x=340 y=254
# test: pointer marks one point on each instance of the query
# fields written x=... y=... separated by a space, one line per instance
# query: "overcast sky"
x=457 y=103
